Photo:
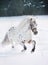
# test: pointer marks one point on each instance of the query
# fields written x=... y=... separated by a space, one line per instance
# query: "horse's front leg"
x=34 y=43
x=23 y=44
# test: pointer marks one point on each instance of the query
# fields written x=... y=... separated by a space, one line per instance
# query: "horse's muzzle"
x=36 y=32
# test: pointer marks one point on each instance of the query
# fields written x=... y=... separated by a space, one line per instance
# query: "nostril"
x=35 y=32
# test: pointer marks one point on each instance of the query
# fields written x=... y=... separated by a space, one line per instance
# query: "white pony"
x=22 y=33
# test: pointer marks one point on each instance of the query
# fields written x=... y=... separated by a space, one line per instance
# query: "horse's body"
x=21 y=34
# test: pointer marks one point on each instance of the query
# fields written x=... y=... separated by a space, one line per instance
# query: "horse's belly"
x=22 y=36
x=19 y=36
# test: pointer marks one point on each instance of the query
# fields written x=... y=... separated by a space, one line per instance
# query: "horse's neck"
x=23 y=24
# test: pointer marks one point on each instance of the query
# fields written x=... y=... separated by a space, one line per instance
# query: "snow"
x=9 y=56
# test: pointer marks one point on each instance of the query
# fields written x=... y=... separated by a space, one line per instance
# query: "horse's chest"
x=25 y=33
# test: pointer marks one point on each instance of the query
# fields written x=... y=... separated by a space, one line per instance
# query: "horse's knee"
x=34 y=42
x=29 y=41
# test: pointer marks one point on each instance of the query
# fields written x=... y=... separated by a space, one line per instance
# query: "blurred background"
x=23 y=7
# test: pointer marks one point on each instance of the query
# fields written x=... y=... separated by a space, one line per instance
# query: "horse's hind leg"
x=12 y=43
x=24 y=48
x=34 y=43
x=23 y=44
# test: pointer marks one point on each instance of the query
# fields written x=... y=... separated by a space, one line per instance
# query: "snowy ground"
x=9 y=56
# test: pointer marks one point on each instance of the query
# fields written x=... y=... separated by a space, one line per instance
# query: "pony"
x=22 y=34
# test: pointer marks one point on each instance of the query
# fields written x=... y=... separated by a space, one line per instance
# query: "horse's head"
x=33 y=26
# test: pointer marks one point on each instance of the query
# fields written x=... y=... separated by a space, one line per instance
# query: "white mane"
x=25 y=21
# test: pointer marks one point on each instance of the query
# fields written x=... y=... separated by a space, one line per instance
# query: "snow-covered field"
x=9 y=56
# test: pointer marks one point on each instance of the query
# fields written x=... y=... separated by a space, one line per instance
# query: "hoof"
x=12 y=46
x=33 y=49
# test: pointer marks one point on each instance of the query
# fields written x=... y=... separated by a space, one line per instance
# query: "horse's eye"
x=34 y=22
x=31 y=19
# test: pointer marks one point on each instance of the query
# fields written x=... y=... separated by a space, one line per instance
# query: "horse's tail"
x=5 y=40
